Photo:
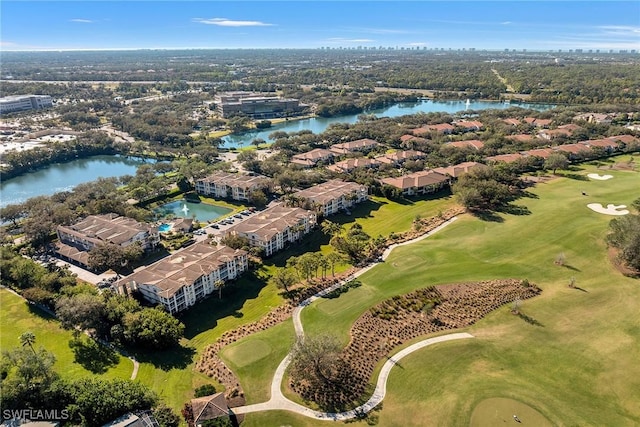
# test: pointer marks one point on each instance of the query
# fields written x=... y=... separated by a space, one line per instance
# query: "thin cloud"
x=620 y=30
x=82 y=21
x=343 y=40
x=506 y=23
x=224 y=22
x=7 y=44
x=417 y=44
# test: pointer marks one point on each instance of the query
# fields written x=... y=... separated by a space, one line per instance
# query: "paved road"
x=279 y=402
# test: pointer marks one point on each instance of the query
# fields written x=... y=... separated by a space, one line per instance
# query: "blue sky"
x=533 y=25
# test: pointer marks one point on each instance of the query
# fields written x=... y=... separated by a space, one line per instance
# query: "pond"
x=184 y=209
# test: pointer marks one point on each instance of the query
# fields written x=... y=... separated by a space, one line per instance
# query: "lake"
x=319 y=124
x=64 y=176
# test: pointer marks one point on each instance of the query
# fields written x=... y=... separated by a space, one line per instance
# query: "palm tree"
x=323 y=263
x=28 y=339
x=219 y=284
x=334 y=258
x=331 y=228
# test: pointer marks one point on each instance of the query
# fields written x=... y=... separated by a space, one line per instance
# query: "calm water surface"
x=64 y=176
x=185 y=209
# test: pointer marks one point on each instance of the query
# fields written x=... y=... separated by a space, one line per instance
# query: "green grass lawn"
x=255 y=358
x=17 y=317
x=578 y=367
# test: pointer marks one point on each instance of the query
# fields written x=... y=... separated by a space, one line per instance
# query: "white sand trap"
x=599 y=177
x=611 y=209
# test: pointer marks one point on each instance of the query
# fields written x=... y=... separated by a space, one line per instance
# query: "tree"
x=330 y=228
x=334 y=258
x=316 y=361
x=184 y=184
x=485 y=188
x=26 y=377
x=204 y=390
x=106 y=256
x=165 y=416
x=84 y=311
x=257 y=198
x=556 y=161
x=235 y=241
x=283 y=278
x=152 y=327
x=12 y=213
x=625 y=236
x=98 y=401
x=219 y=284
x=28 y=339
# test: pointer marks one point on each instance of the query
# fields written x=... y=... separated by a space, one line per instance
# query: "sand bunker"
x=611 y=209
x=599 y=177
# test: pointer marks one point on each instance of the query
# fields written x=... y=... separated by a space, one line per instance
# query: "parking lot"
x=218 y=228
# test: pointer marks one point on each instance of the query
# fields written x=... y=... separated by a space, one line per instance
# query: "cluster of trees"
x=42 y=284
x=487 y=189
x=575 y=82
x=119 y=318
x=29 y=381
x=624 y=235
x=166 y=122
x=80 y=307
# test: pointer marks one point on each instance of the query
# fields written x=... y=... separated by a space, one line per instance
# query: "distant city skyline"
x=481 y=25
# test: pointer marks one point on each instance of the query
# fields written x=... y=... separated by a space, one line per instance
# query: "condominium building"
x=273 y=228
x=16 y=103
x=334 y=196
x=312 y=158
x=236 y=186
x=256 y=106
x=423 y=182
x=75 y=241
x=360 y=145
x=186 y=277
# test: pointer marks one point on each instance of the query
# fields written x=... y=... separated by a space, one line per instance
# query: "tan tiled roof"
x=400 y=156
x=271 y=221
x=347 y=147
x=572 y=148
x=236 y=180
x=314 y=155
x=106 y=228
x=470 y=143
x=416 y=179
x=540 y=152
x=507 y=158
x=457 y=170
x=350 y=164
x=184 y=267
x=330 y=190
x=471 y=124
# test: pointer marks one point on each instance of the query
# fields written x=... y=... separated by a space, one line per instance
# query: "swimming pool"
x=163 y=228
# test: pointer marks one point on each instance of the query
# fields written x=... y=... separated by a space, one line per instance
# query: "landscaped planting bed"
x=400 y=319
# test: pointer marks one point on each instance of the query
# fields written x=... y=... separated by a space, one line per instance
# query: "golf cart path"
x=279 y=402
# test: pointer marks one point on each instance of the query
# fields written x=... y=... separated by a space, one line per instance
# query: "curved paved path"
x=279 y=402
